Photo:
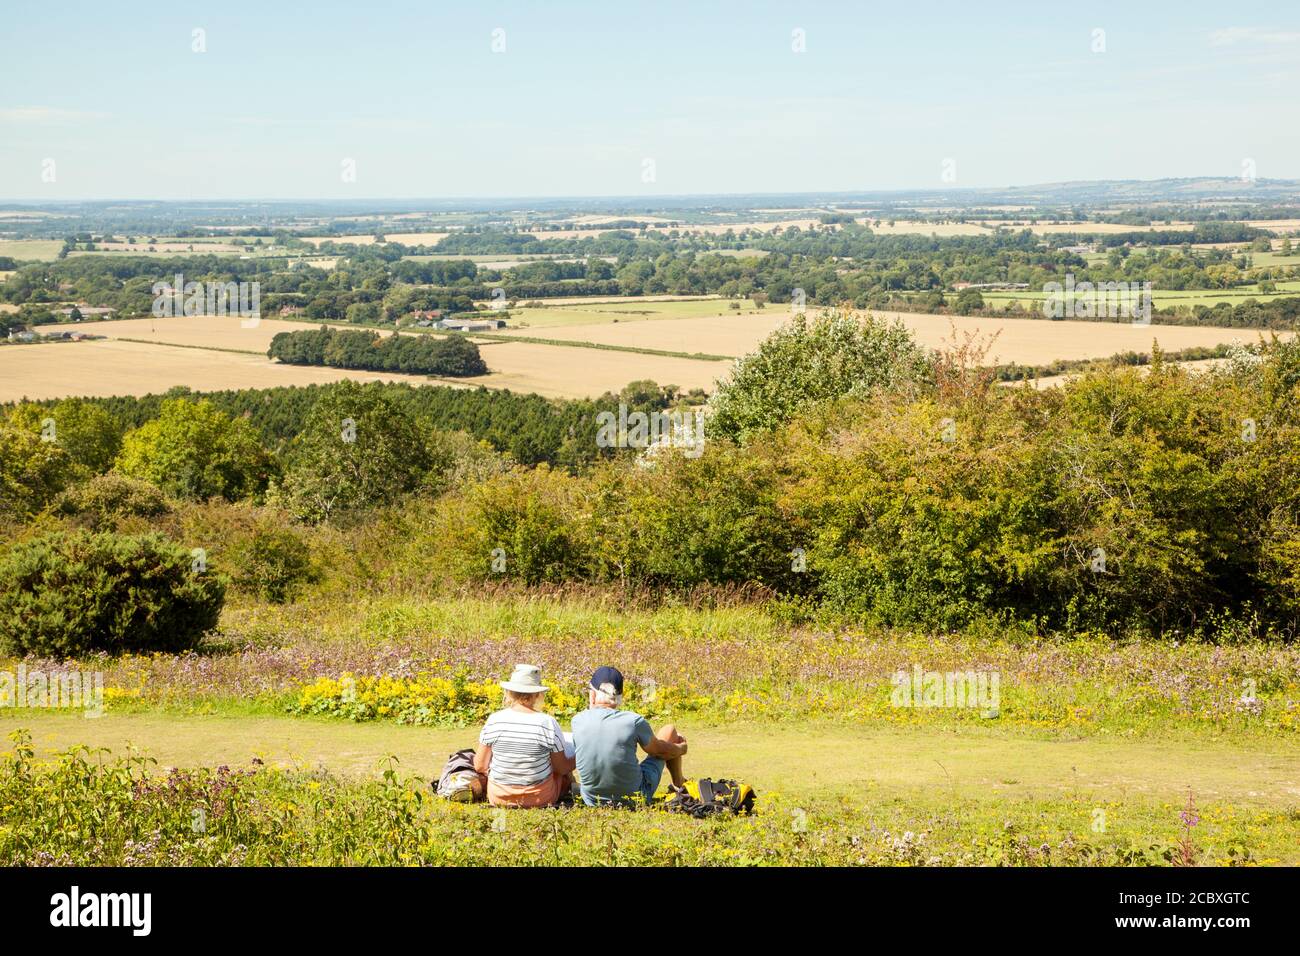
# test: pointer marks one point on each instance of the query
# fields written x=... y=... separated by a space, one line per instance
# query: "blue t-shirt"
x=605 y=742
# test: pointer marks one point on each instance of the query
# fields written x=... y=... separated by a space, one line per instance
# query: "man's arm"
x=657 y=747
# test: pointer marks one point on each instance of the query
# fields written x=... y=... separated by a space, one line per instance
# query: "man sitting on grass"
x=606 y=739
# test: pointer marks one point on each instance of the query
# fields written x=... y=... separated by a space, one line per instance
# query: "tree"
x=195 y=450
x=85 y=430
x=358 y=448
x=968 y=301
x=32 y=470
x=810 y=361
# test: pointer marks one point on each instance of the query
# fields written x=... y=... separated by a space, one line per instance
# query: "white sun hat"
x=526 y=679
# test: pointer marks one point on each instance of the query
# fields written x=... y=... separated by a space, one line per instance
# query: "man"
x=606 y=739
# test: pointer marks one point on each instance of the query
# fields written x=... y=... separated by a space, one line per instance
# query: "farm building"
x=85 y=311
x=471 y=325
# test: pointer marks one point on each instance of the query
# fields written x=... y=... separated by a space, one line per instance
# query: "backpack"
x=705 y=798
x=457 y=775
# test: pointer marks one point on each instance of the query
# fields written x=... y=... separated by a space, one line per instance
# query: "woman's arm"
x=483 y=758
x=561 y=763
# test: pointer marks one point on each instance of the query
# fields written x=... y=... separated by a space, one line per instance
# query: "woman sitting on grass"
x=522 y=749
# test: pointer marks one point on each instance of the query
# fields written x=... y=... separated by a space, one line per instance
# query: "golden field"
x=563 y=372
x=188 y=351
x=203 y=331
x=215 y=352
x=108 y=367
x=1027 y=341
x=405 y=238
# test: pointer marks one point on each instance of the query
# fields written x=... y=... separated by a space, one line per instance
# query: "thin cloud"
x=47 y=115
x=1231 y=36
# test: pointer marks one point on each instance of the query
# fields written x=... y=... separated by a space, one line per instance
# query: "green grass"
x=827 y=795
x=1096 y=748
x=39 y=250
x=1171 y=298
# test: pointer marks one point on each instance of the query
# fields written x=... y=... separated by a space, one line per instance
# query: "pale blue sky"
x=584 y=92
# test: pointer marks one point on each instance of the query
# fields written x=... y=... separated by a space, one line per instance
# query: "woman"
x=522 y=749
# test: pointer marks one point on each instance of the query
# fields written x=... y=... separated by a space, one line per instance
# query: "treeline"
x=1204 y=232
x=452 y=355
x=830 y=265
x=527 y=428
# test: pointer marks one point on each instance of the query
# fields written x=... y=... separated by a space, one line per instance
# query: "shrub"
x=683 y=521
x=105 y=499
x=69 y=593
x=807 y=362
x=274 y=563
x=525 y=524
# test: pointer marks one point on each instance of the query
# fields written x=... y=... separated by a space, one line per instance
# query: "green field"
x=1096 y=749
x=827 y=793
x=1269 y=259
x=1170 y=298
x=40 y=250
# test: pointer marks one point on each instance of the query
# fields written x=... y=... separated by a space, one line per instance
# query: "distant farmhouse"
x=470 y=325
x=958 y=286
x=27 y=335
x=437 y=319
x=86 y=311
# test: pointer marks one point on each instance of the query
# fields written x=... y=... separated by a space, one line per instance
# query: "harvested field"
x=191 y=351
x=1027 y=341
x=405 y=238
x=526 y=321
x=202 y=331
x=562 y=372
x=104 y=368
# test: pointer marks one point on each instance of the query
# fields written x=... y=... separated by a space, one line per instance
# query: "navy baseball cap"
x=607 y=675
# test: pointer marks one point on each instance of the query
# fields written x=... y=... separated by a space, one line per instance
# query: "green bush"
x=105 y=499
x=807 y=362
x=70 y=593
x=272 y=562
x=525 y=524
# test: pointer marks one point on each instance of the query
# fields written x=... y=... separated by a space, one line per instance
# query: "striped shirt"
x=522 y=743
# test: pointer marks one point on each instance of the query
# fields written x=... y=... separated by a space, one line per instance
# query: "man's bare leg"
x=669 y=733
